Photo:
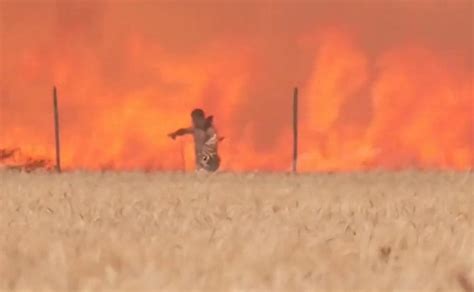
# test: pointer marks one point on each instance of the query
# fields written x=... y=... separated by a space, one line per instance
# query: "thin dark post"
x=295 y=130
x=56 y=130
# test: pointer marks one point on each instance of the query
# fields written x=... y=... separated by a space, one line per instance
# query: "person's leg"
x=213 y=163
x=201 y=171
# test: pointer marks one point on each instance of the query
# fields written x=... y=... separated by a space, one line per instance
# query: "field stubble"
x=375 y=231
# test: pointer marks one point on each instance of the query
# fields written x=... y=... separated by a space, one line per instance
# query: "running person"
x=205 y=141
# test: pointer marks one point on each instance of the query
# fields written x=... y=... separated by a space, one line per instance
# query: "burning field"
x=383 y=84
x=376 y=231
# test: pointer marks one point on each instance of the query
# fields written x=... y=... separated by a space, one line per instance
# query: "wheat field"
x=376 y=231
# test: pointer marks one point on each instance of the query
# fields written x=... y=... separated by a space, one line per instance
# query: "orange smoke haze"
x=382 y=85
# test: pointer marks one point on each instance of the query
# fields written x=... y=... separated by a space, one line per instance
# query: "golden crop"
x=376 y=231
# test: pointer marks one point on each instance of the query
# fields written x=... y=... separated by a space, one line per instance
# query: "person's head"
x=199 y=118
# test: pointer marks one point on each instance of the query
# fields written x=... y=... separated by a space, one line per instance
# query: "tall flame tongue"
x=129 y=74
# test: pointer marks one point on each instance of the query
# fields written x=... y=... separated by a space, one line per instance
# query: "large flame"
x=371 y=96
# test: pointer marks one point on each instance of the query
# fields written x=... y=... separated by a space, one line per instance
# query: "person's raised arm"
x=181 y=132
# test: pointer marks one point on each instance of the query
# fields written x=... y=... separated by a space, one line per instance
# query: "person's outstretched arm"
x=181 y=132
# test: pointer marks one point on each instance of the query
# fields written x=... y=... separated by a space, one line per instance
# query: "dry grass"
x=404 y=231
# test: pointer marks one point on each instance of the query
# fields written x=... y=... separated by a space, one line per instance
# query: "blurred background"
x=382 y=84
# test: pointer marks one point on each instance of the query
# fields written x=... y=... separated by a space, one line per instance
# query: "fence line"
x=295 y=130
x=56 y=130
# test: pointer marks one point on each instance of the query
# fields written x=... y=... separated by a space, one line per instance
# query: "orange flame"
x=127 y=77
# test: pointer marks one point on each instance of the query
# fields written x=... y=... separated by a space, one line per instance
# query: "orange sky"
x=383 y=83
